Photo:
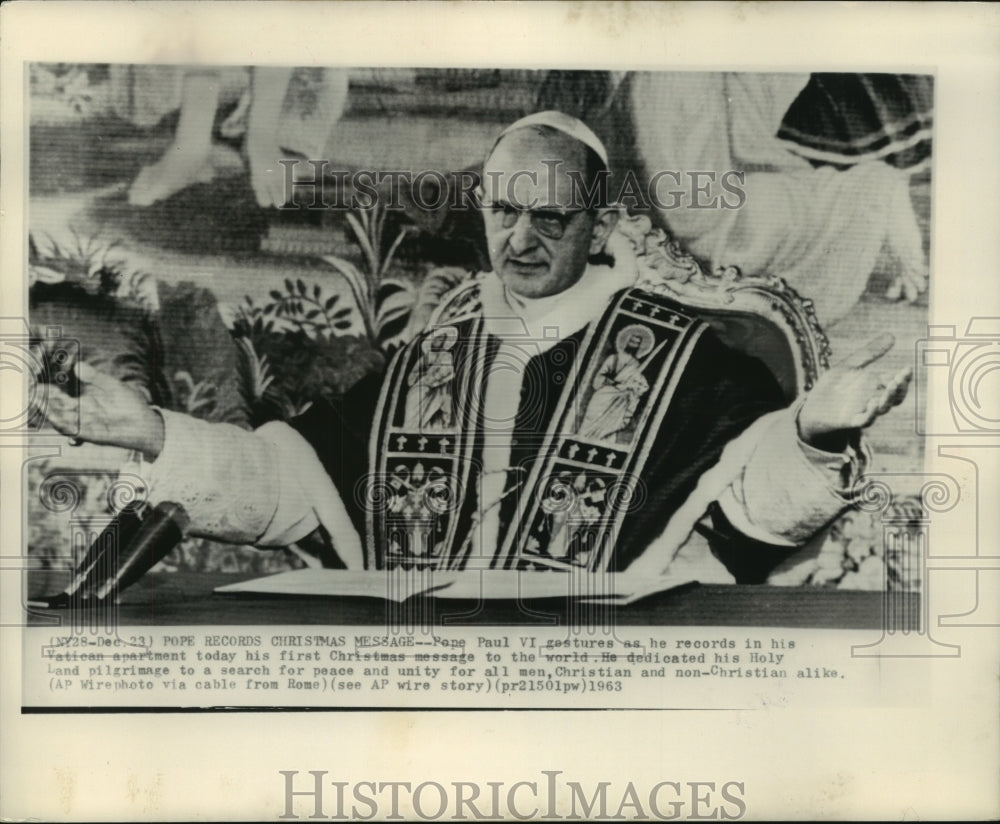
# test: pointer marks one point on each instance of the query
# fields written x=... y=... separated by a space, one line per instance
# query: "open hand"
x=105 y=411
x=853 y=394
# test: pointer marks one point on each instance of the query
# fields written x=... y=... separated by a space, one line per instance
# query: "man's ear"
x=605 y=224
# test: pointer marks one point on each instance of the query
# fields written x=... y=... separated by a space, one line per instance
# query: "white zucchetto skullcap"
x=559 y=121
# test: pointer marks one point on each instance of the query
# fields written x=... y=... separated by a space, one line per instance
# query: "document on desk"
x=398 y=585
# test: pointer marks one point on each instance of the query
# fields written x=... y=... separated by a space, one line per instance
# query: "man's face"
x=539 y=238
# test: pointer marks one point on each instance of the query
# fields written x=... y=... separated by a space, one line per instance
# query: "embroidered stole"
x=421 y=496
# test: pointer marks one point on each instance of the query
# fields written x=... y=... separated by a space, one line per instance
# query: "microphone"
x=125 y=550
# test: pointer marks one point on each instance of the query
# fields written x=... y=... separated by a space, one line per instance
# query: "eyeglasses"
x=547 y=222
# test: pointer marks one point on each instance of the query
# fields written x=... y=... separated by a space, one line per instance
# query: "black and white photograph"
x=636 y=326
x=357 y=386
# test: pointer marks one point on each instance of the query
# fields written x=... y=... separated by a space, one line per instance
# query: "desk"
x=187 y=599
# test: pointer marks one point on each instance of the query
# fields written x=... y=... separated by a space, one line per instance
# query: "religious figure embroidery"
x=429 y=399
x=573 y=506
x=414 y=510
x=619 y=385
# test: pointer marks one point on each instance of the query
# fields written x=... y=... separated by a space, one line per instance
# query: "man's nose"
x=522 y=235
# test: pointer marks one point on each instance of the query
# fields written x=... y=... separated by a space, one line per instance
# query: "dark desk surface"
x=187 y=599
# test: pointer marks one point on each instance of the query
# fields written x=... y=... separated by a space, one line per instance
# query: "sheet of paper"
x=398 y=585
x=337 y=582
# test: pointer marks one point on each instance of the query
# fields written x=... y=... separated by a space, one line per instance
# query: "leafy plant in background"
x=393 y=308
x=85 y=286
x=93 y=264
x=366 y=284
x=263 y=397
x=298 y=309
x=295 y=324
x=307 y=309
x=72 y=83
x=406 y=305
x=197 y=398
x=294 y=350
x=282 y=373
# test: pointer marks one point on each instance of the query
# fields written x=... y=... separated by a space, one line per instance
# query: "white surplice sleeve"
x=788 y=489
x=265 y=487
x=771 y=486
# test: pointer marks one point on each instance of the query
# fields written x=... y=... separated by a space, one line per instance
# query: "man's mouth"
x=526 y=265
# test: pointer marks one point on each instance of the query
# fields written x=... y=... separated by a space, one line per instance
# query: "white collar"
x=546 y=321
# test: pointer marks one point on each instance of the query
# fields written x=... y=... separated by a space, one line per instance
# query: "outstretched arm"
x=801 y=473
x=779 y=475
x=265 y=487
